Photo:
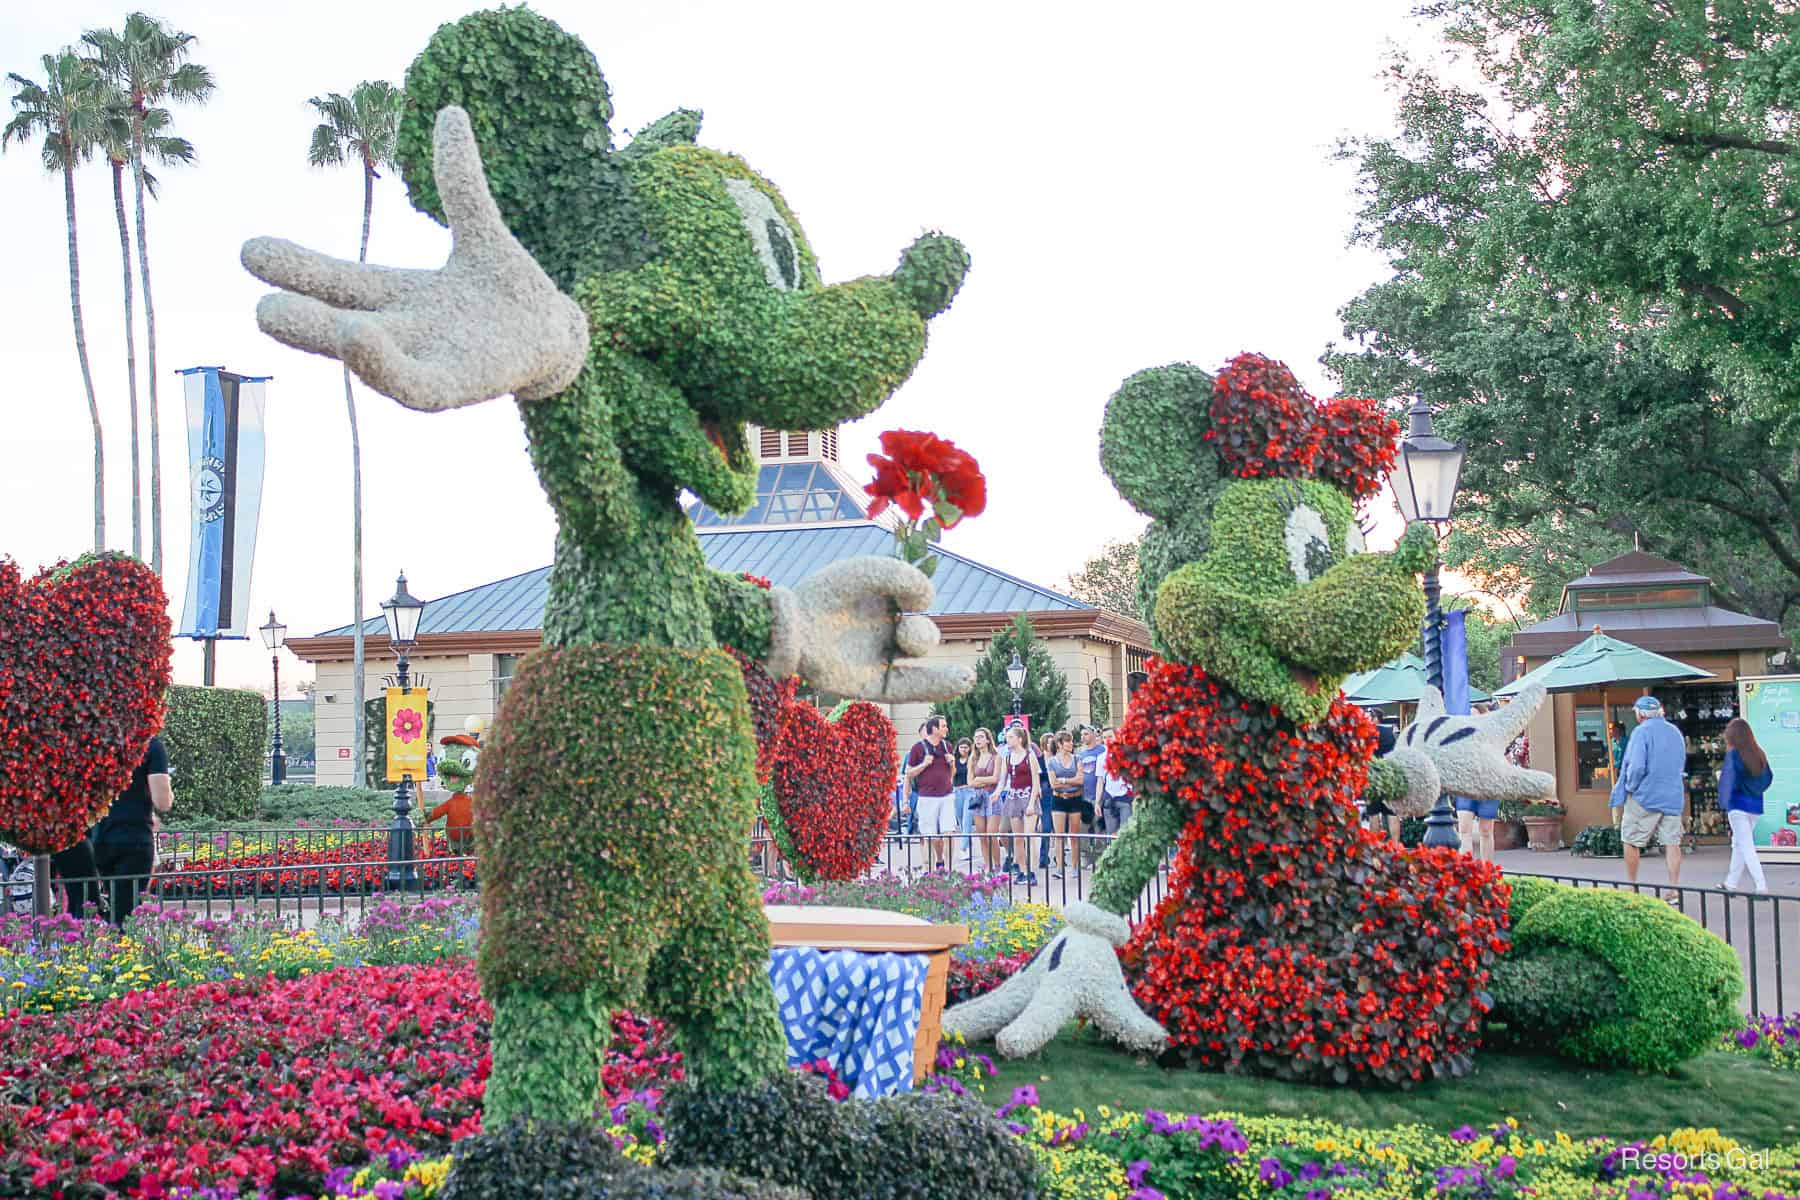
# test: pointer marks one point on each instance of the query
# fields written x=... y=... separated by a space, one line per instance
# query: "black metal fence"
x=343 y=870
x=1758 y=927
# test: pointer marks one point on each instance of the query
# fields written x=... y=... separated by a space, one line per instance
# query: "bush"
x=215 y=739
x=1598 y=841
x=534 y=1160
x=291 y=804
x=577 y=1160
x=1545 y=995
x=1679 y=984
x=1099 y=704
x=917 y=1145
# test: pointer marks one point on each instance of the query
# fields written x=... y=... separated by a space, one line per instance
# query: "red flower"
x=84 y=663
x=1264 y=424
x=1292 y=942
x=916 y=468
x=262 y=1086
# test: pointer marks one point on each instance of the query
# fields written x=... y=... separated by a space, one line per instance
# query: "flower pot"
x=1509 y=835
x=1544 y=833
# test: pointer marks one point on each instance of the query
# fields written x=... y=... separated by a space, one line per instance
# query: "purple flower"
x=1310 y=1172
x=1746 y=1038
x=1271 y=1172
x=390 y=1189
x=1463 y=1134
x=1134 y=1173
x=1505 y=1168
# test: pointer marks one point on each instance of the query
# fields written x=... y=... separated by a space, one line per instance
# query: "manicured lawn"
x=1743 y=1098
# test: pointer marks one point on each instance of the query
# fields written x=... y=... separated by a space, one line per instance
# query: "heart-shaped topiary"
x=84 y=664
x=831 y=788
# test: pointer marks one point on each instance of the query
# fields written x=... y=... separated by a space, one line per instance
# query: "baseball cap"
x=1648 y=704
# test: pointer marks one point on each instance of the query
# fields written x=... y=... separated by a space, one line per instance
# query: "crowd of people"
x=1010 y=804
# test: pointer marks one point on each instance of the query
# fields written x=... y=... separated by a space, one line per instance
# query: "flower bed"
x=48 y=964
x=1774 y=1040
x=291 y=867
x=249 y=1084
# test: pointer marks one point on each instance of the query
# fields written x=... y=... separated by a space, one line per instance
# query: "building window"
x=796 y=445
x=1593 y=728
x=769 y=443
x=829 y=444
x=504 y=666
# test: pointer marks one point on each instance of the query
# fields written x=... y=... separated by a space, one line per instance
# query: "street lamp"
x=274 y=636
x=402 y=611
x=1015 y=679
x=1425 y=486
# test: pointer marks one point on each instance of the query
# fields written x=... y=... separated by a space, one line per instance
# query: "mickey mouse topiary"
x=642 y=304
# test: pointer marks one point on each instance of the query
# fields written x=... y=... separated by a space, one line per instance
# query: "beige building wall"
x=461 y=687
x=464 y=686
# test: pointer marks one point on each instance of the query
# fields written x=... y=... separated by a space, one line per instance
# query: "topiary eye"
x=769 y=234
x=1353 y=539
x=1308 y=543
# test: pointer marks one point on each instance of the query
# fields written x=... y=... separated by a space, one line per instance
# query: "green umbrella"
x=1602 y=662
x=1399 y=682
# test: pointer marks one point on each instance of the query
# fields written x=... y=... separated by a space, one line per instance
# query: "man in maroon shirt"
x=933 y=765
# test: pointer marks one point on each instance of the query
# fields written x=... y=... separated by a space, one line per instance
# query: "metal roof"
x=1633 y=567
x=784 y=556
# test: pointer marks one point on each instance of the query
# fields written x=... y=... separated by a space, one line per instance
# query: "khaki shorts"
x=1644 y=829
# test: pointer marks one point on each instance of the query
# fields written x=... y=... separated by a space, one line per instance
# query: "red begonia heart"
x=84 y=664
x=834 y=786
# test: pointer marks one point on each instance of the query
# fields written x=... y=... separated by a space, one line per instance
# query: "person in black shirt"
x=123 y=844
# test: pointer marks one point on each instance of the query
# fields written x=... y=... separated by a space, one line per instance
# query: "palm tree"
x=147 y=63
x=115 y=142
x=360 y=127
x=68 y=108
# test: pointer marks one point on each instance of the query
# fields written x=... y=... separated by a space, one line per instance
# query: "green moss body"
x=618 y=786
x=1679 y=984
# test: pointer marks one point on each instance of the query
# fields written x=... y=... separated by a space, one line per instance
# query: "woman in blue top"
x=1742 y=782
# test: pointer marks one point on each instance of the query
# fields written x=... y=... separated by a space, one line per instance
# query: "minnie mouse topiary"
x=1291 y=942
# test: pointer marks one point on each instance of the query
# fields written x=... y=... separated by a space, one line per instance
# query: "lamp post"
x=402 y=611
x=274 y=636
x=1425 y=486
x=1015 y=679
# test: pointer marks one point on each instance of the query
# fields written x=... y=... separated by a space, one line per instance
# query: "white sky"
x=1137 y=184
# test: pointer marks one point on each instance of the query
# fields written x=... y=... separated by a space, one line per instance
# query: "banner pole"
x=209 y=648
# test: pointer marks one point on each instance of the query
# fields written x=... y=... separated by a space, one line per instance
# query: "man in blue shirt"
x=1651 y=787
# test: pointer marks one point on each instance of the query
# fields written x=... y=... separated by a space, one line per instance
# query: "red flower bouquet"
x=920 y=470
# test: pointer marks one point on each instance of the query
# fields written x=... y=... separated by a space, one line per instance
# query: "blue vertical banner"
x=225 y=477
x=1454 y=644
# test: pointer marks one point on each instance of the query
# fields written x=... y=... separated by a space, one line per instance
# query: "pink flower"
x=408 y=724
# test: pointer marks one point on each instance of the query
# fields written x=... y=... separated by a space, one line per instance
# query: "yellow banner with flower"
x=408 y=739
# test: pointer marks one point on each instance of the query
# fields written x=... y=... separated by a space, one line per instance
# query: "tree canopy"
x=1594 y=234
x=1109 y=579
x=1629 y=158
x=988 y=702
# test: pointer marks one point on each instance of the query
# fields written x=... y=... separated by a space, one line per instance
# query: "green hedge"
x=297 y=804
x=216 y=738
x=1680 y=985
x=1099 y=704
